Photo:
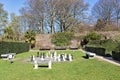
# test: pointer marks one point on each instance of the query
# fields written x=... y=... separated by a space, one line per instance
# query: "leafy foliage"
x=117 y=49
x=109 y=44
x=30 y=37
x=98 y=50
x=3 y=16
x=92 y=36
x=13 y=47
x=62 y=39
x=116 y=55
x=8 y=33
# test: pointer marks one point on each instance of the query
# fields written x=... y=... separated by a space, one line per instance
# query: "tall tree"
x=15 y=25
x=8 y=33
x=70 y=12
x=3 y=17
x=52 y=15
x=117 y=11
x=107 y=10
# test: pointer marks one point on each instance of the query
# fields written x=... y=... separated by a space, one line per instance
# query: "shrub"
x=30 y=37
x=62 y=38
x=91 y=36
x=97 y=50
x=13 y=47
x=116 y=55
x=109 y=44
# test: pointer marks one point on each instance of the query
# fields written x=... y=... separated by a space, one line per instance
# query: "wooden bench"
x=45 y=48
x=60 y=48
x=73 y=48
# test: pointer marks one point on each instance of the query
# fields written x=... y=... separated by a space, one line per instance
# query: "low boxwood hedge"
x=96 y=50
x=13 y=47
x=108 y=44
x=116 y=55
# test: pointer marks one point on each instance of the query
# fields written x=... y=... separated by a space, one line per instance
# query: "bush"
x=116 y=55
x=62 y=38
x=30 y=37
x=97 y=50
x=13 y=47
x=109 y=44
x=92 y=36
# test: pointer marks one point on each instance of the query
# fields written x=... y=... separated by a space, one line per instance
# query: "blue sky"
x=14 y=5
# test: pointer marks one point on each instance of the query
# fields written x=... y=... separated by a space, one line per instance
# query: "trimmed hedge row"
x=108 y=44
x=13 y=47
x=116 y=55
x=96 y=50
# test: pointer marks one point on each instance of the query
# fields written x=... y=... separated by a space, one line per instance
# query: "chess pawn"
x=33 y=58
x=63 y=57
x=35 y=64
x=42 y=58
x=58 y=58
x=70 y=57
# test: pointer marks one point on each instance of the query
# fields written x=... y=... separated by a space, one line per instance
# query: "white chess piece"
x=35 y=64
x=50 y=64
x=33 y=58
x=70 y=57
x=63 y=57
x=58 y=58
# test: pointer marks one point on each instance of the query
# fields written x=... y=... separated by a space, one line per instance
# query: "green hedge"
x=13 y=47
x=116 y=55
x=96 y=50
x=92 y=36
x=62 y=38
x=108 y=44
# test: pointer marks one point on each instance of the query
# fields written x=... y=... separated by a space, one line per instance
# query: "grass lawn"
x=78 y=69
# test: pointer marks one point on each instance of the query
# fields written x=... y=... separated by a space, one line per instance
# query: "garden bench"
x=60 y=48
x=73 y=48
x=46 y=61
x=90 y=55
x=45 y=48
x=8 y=56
